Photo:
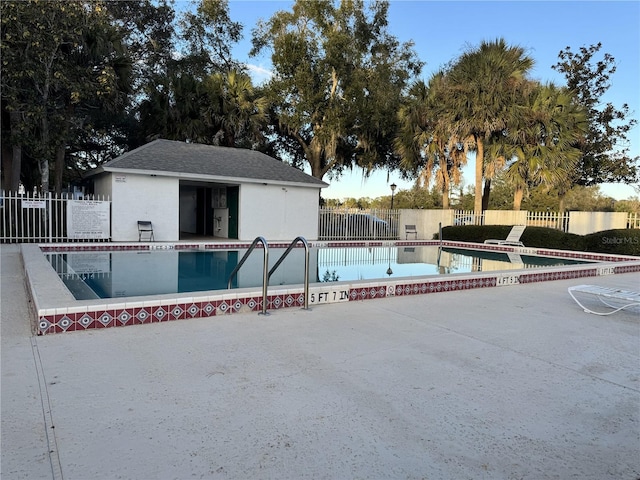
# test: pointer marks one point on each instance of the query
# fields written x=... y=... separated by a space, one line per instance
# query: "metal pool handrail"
x=265 y=278
x=306 y=266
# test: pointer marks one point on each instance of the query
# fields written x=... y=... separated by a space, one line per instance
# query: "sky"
x=442 y=30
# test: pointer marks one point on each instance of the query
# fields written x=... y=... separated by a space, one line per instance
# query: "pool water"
x=116 y=274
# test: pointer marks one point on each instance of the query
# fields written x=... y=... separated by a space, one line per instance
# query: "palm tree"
x=235 y=110
x=482 y=88
x=173 y=110
x=543 y=145
x=424 y=142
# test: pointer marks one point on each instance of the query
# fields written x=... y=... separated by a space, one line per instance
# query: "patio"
x=488 y=383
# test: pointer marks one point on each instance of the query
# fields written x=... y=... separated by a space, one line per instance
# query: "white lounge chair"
x=512 y=239
x=612 y=297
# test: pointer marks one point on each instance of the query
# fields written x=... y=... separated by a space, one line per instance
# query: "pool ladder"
x=266 y=273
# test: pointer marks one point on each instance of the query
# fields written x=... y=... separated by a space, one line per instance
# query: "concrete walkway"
x=499 y=383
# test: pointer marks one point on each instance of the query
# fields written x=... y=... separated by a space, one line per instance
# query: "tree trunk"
x=561 y=206
x=517 y=198
x=44 y=175
x=445 y=189
x=7 y=157
x=316 y=165
x=445 y=200
x=43 y=161
x=229 y=138
x=12 y=157
x=314 y=153
x=16 y=168
x=477 y=204
x=59 y=169
x=485 y=194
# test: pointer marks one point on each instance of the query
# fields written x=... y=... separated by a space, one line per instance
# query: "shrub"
x=618 y=242
x=541 y=237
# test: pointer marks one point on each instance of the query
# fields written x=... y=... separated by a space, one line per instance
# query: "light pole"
x=393 y=189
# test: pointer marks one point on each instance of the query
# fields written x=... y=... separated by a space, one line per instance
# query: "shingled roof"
x=193 y=160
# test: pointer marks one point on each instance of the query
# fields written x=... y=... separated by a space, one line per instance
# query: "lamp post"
x=393 y=189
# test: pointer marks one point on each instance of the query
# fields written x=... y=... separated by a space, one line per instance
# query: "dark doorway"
x=204 y=212
x=233 y=198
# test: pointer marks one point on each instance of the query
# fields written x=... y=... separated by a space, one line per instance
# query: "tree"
x=147 y=30
x=541 y=145
x=482 y=86
x=210 y=34
x=174 y=110
x=235 y=110
x=589 y=199
x=631 y=205
x=58 y=60
x=85 y=80
x=338 y=81
x=605 y=153
x=223 y=109
x=417 y=197
x=425 y=143
x=204 y=96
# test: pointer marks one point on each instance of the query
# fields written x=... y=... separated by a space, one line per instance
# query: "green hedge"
x=620 y=242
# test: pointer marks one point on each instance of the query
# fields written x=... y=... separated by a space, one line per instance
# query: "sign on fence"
x=87 y=219
x=34 y=204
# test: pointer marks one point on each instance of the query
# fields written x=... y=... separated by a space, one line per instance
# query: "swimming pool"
x=55 y=309
x=90 y=275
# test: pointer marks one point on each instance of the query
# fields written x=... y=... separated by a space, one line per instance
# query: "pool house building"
x=189 y=190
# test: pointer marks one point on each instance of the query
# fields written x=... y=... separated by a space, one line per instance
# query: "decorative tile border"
x=626 y=268
x=120 y=317
x=561 y=275
x=81 y=317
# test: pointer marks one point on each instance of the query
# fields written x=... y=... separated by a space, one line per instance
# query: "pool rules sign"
x=88 y=219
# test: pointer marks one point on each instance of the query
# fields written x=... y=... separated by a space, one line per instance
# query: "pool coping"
x=54 y=310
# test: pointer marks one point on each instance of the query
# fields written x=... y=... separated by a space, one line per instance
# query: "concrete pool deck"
x=486 y=383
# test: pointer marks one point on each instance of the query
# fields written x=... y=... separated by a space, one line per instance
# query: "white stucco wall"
x=427 y=222
x=143 y=197
x=583 y=223
x=505 y=217
x=277 y=212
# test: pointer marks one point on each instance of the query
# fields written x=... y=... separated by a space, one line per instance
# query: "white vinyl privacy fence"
x=52 y=218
